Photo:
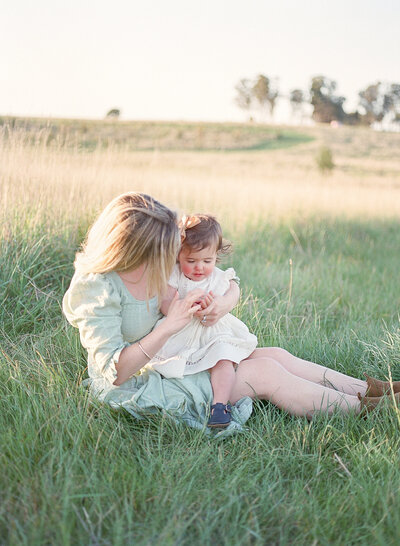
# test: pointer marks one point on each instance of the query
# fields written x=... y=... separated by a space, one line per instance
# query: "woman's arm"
x=166 y=302
x=133 y=358
x=218 y=306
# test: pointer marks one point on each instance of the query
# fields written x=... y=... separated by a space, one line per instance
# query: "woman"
x=121 y=275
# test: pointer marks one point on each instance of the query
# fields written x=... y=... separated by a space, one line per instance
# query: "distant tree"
x=371 y=101
x=395 y=105
x=353 y=118
x=244 y=97
x=260 y=91
x=379 y=99
x=395 y=90
x=273 y=95
x=297 y=99
x=114 y=113
x=327 y=106
x=265 y=93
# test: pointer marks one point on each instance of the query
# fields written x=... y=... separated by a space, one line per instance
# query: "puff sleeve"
x=93 y=305
x=230 y=275
x=174 y=278
x=221 y=280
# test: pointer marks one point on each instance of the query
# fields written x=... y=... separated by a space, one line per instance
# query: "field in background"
x=46 y=167
x=318 y=258
x=147 y=136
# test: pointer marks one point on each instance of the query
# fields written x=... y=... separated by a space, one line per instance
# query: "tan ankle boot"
x=376 y=387
x=369 y=403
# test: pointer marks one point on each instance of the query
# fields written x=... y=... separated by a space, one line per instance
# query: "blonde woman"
x=114 y=299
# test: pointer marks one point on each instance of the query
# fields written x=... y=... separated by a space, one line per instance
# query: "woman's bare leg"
x=267 y=379
x=312 y=372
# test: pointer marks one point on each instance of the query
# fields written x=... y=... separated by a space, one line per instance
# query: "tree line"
x=376 y=102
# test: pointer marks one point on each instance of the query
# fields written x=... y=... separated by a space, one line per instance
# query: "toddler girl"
x=198 y=347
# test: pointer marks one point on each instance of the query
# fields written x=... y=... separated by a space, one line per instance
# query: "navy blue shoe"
x=220 y=415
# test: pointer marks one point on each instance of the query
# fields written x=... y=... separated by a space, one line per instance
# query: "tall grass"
x=57 y=181
x=74 y=471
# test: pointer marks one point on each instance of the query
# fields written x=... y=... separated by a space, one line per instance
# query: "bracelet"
x=143 y=351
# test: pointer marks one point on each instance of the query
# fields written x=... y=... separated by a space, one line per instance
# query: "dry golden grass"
x=56 y=181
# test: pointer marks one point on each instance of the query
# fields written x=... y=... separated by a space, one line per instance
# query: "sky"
x=181 y=59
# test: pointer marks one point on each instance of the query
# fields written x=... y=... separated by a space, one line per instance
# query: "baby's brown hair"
x=199 y=231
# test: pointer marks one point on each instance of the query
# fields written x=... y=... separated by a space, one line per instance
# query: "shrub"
x=324 y=159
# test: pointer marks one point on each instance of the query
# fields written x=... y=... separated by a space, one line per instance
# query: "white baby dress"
x=197 y=347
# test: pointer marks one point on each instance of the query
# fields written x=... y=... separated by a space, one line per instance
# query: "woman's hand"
x=212 y=308
x=135 y=356
x=215 y=307
x=181 y=311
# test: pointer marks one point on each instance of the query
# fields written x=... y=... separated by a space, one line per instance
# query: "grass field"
x=75 y=472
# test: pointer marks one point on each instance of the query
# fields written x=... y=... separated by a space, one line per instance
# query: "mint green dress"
x=109 y=318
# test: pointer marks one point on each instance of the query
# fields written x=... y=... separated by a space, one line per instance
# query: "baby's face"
x=197 y=265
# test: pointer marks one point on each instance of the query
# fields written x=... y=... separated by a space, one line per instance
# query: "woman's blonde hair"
x=132 y=230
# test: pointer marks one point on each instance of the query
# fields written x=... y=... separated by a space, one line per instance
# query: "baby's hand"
x=199 y=299
x=205 y=302
x=202 y=301
x=213 y=311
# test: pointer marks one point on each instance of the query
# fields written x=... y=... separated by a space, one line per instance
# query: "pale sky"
x=180 y=59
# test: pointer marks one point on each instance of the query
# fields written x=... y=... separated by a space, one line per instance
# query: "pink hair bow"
x=187 y=222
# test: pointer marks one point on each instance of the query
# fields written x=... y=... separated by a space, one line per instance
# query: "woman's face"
x=197 y=265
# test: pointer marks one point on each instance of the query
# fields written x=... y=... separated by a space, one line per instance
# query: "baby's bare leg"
x=222 y=381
